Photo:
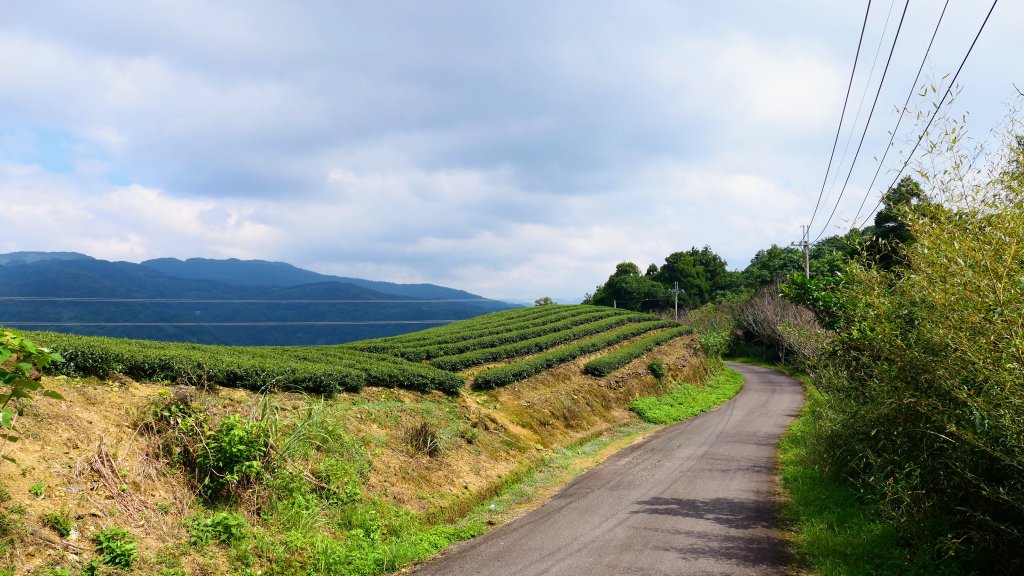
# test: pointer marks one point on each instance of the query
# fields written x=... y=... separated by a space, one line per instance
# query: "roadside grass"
x=686 y=400
x=832 y=529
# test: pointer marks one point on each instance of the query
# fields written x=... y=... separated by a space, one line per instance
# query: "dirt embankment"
x=88 y=458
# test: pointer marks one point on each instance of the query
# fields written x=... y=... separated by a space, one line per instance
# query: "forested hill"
x=97 y=297
x=264 y=273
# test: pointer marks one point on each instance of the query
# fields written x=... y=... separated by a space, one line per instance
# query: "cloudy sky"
x=513 y=149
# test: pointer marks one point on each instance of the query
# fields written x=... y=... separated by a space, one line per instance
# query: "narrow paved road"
x=694 y=498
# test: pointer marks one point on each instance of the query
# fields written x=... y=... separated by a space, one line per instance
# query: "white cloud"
x=517 y=150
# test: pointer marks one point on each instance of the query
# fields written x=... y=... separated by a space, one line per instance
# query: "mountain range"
x=236 y=302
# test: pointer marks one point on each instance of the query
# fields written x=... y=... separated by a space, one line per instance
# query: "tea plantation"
x=526 y=341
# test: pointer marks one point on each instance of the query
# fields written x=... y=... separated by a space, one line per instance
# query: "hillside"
x=264 y=273
x=412 y=447
x=97 y=297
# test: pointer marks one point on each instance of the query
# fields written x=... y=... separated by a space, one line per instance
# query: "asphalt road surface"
x=694 y=498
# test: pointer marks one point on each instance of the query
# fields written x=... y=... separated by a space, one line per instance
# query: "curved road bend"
x=694 y=498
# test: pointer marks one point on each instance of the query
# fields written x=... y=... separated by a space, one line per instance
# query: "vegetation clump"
x=686 y=400
x=117 y=548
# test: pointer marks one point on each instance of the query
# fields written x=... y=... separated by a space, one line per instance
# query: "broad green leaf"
x=9 y=437
x=6 y=418
x=52 y=394
x=30 y=385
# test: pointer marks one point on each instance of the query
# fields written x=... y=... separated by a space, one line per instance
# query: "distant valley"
x=235 y=302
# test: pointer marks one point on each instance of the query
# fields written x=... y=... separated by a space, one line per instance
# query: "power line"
x=867 y=123
x=938 y=107
x=846 y=101
x=353 y=323
x=228 y=301
x=903 y=111
x=863 y=98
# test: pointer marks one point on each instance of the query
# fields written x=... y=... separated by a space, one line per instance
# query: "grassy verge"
x=831 y=529
x=529 y=488
x=686 y=400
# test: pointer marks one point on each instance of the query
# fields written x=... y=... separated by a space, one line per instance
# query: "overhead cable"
x=842 y=115
x=935 y=113
x=867 y=124
x=903 y=111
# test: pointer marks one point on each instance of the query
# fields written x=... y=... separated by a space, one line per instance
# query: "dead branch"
x=128 y=503
x=38 y=534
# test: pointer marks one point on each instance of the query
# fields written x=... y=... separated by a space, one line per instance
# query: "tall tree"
x=772 y=264
x=701 y=274
x=892 y=229
x=627 y=288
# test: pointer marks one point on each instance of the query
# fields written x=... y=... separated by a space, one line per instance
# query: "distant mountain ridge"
x=266 y=273
x=224 y=302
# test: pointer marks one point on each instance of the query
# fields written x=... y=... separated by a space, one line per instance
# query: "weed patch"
x=686 y=400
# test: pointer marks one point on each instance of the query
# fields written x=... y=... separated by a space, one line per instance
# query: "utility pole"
x=615 y=304
x=803 y=243
x=675 y=291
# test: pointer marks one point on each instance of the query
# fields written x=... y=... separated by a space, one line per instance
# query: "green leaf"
x=52 y=394
x=9 y=459
x=9 y=437
x=6 y=418
x=5 y=354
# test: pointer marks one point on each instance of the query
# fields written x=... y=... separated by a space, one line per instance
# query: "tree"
x=701 y=274
x=771 y=264
x=543 y=301
x=626 y=288
x=892 y=230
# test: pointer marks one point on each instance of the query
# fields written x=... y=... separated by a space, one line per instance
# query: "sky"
x=511 y=149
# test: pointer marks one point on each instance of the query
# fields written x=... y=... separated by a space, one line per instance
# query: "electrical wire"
x=842 y=115
x=903 y=112
x=860 y=106
x=867 y=123
x=938 y=107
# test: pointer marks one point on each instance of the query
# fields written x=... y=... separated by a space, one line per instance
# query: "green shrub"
x=117 y=548
x=657 y=369
x=223 y=527
x=715 y=343
x=923 y=404
x=232 y=456
x=38 y=490
x=60 y=521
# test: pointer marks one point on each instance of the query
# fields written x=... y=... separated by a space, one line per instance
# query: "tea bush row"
x=617 y=359
x=507 y=335
x=486 y=322
x=524 y=347
x=471 y=329
x=457 y=334
x=523 y=369
x=253 y=368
